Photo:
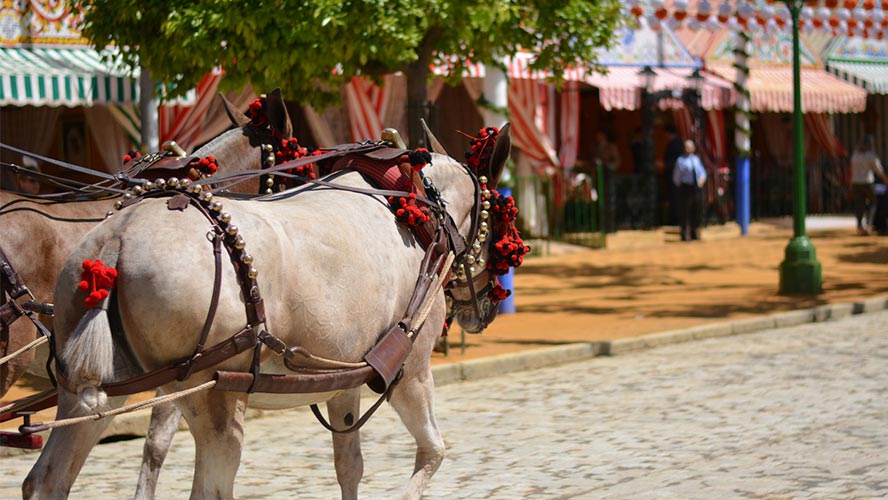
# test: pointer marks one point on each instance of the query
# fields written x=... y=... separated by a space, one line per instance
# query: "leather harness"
x=383 y=362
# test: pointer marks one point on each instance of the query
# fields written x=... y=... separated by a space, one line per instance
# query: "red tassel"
x=98 y=278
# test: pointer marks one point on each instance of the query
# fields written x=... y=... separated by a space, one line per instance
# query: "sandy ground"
x=649 y=281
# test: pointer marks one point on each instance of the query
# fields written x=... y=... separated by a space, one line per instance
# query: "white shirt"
x=864 y=166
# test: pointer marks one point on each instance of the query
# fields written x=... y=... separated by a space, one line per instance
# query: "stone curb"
x=136 y=424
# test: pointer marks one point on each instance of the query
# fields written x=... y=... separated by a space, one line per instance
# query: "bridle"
x=465 y=271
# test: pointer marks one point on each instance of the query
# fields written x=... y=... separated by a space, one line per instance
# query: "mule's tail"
x=88 y=356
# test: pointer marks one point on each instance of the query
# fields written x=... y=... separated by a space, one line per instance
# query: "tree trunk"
x=417 y=91
x=417 y=105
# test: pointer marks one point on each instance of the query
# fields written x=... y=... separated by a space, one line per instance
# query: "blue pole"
x=741 y=198
x=507 y=280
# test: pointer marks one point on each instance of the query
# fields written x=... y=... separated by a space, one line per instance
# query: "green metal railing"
x=575 y=216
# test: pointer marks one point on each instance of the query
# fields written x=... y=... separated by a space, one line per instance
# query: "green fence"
x=561 y=212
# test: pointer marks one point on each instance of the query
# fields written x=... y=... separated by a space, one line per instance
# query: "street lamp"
x=647 y=183
x=800 y=271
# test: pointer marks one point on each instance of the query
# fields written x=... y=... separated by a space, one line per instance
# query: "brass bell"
x=185 y=183
x=268 y=147
x=476 y=247
x=483 y=226
x=481 y=263
x=160 y=183
x=196 y=188
x=485 y=205
x=216 y=206
x=127 y=195
x=485 y=193
x=137 y=190
x=173 y=182
x=485 y=214
x=109 y=214
x=232 y=230
x=118 y=205
x=270 y=160
x=482 y=179
x=268 y=191
x=482 y=237
x=149 y=186
x=225 y=217
x=239 y=243
x=470 y=259
x=207 y=196
x=247 y=259
x=269 y=181
x=252 y=273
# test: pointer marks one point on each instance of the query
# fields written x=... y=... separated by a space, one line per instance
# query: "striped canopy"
x=770 y=89
x=55 y=76
x=873 y=77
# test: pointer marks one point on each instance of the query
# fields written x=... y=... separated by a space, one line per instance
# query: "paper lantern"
x=869 y=4
x=783 y=11
x=680 y=15
x=673 y=23
x=636 y=11
x=766 y=12
x=745 y=11
x=725 y=10
x=823 y=14
x=656 y=5
x=834 y=22
x=859 y=15
x=831 y=4
x=693 y=24
x=843 y=14
x=654 y=23
x=661 y=14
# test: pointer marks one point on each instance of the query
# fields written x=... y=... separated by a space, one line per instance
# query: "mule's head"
x=253 y=143
x=485 y=220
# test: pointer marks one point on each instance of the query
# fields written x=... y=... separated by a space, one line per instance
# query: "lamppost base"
x=800 y=272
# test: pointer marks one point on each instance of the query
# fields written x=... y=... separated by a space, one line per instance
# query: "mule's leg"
x=216 y=421
x=413 y=400
x=343 y=411
x=163 y=426
x=66 y=450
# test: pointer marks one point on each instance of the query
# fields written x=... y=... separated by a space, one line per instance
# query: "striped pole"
x=742 y=133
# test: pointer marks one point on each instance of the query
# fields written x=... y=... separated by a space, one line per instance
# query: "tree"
x=310 y=48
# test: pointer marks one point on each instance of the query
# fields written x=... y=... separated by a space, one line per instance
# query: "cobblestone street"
x=793 y=413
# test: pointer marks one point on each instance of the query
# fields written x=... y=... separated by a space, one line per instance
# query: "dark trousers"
x=688 y=204
x=864 y=204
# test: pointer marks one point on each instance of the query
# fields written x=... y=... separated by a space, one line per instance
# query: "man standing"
x=864 y=166
x=689 y=177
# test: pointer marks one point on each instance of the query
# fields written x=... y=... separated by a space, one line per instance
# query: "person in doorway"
x=24 y=183
x=606 y=151
x=865 y=165
x=688 y=176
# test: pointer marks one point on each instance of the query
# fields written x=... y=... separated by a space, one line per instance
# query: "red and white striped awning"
x=770 y=89
x=620 y=88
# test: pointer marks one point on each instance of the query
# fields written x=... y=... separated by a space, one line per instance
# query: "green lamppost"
x=800 y=271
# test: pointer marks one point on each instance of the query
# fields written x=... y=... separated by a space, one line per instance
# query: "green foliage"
x=309 y=48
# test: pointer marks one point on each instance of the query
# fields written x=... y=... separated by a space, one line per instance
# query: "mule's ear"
x=433 y=141
x=500 y=155
x=237 y=118
x=277 y=114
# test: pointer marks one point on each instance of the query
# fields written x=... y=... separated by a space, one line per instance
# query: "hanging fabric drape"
x=176 y=122
x=569 y=126
x=183 y=123
x=527 y=104
x=104 y=130
x=366 y=103
x=821 y=128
